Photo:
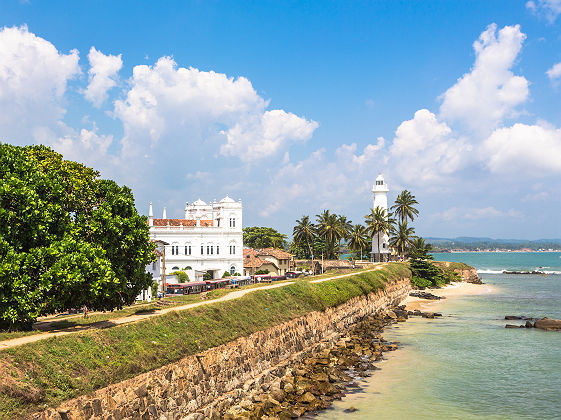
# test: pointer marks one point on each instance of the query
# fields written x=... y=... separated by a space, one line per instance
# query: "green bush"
x=154 y=289
x=226 y=274
x=181 y=275
x=237 y=274
x=261 y=272
x=420 y=283
x=207 y=276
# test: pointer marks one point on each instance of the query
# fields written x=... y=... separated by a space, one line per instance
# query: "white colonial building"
x=380 y=190
x=208 y=240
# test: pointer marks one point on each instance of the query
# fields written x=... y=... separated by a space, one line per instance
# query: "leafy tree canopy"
x=263 y=237
x=67 y=238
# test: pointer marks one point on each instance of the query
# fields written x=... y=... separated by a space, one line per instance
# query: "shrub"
x=181 y=275
x=420 y=283
x=226 y=274
x=207 y=276
x=262 y=272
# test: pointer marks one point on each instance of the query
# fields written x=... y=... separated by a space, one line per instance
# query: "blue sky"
x=296 y=106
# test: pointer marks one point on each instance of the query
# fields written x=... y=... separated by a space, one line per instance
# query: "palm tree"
x=305 y=232
x=346 y=227
x=330 y=230
x=404 y=206
x=357 y=238
x=421 y=249
x=378 y=222
x=402 y=237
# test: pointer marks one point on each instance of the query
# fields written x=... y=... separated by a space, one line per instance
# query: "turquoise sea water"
x=467 y=365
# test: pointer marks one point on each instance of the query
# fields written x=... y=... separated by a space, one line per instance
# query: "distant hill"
x=473 y=243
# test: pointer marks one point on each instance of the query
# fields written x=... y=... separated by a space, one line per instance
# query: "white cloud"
x=424 y=150
x=325 y=181
x=474 y=213
x=102 y=75
x=548 y=8
x=554 y=72
x=524 y=149
x=490 y=92
x=33 y=81
x=198 y=110
x=264 y=135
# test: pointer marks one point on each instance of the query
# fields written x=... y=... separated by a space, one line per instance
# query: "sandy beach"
x=449 y=292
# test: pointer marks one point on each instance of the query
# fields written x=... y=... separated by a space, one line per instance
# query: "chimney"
x=165 y=214
x=150 y=216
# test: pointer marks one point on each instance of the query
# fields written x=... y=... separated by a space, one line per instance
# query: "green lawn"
x=50 y=371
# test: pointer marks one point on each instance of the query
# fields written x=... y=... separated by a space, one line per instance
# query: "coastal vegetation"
x=93 y=359
x=263 y=237
x=68 y=239
x=324 y=237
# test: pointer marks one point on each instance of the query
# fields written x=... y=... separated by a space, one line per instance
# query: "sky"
x=295 y=107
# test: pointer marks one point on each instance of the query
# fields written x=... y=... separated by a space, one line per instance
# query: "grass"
x=50 y=371
x=451 y=266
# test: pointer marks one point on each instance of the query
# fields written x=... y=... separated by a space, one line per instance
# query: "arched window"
x=188 y=267
x=232 y=270
x=175 y=268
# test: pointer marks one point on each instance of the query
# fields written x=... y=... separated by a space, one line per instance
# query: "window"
x=172 y=250
x=232 y=222
x=232 y=270
x=384 y=245
x=208 y=250
x=154 y=266
x=217 y=249
x=176 y=249
x=211 y=249
x=175 y=268
x=232 y=249
x=187 y=249
x=202 y=249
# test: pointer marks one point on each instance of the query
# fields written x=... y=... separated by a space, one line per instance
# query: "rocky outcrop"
x=467 y=274
x=206 y=384
x=548 y=324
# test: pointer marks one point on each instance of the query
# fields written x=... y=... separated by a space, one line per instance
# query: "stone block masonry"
x=201 y=385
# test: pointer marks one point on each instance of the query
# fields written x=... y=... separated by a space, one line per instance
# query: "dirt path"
x=14 y=342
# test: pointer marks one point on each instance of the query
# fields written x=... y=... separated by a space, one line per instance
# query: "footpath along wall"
x=221 y=376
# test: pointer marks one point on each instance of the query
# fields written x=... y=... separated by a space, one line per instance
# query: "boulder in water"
x=548 y=324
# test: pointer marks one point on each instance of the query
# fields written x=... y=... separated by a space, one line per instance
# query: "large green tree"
x=263 y=237
x=67 y=238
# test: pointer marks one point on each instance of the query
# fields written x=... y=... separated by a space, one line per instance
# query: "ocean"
x=467 y=365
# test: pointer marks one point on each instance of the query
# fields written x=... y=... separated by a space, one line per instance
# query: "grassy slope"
x=51 y=371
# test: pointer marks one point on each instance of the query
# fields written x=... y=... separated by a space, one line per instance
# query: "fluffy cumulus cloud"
x=548 y=8
x=102 y=75
x=424 y=149
x=324 y=180
x=554 y=72
x=166 y=102
x=263 y=135
x=532 y=150
x=490 y=92
x=33 y=80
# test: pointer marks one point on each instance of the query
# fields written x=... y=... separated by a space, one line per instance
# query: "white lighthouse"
x=380 y=190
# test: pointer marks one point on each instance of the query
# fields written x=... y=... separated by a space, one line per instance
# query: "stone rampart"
x=199 y=386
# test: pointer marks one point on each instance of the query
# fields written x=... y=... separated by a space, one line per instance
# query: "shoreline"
x=450 y=291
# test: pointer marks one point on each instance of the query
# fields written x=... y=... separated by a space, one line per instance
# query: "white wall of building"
x=199 y=248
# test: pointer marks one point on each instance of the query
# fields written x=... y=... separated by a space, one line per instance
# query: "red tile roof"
x=279 y=254
x=251 y=260
x=184 y=222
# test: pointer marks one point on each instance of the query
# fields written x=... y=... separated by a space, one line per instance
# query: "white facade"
x=380 y=191
x=209 y=239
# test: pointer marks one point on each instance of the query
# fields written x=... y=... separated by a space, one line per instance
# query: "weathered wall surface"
x=219 y=376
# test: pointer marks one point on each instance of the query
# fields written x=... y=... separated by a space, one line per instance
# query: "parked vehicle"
x=293 y=274
x=186 y=288
x=241 y=281
x=217 y=283
x=277 y=278
x=262 y=278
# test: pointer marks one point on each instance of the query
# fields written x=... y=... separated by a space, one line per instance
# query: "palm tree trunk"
x=379 y=257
